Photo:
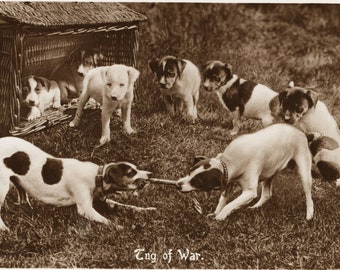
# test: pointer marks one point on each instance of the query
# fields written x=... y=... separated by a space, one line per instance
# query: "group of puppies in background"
x=313 y=145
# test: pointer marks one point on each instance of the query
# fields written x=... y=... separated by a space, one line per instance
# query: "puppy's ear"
x=198 y=159
x=312 y=98
x=44 y=82
x=206 y=65
x=98 y=57
x=75 y=55
x=133 y=74
x=228 y=70
x=180 y=66
x=282 y=96
x=154 y=64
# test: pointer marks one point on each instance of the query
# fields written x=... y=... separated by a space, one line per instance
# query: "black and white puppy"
x=248 y=160
x=62 y=181
x=38 y=94
x=302 y=108
x=239 y=96
x=179 y=82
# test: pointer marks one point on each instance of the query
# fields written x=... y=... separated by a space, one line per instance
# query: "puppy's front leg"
x=126 y=118
x=246 y=197
x=191 y=113
x=170 y=106
x=236 y=121
x=82 y=101
x=107 y=111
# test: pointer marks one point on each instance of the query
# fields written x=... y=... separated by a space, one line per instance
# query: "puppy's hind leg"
x=304 y=163
x=265 y=194
x=4 y=187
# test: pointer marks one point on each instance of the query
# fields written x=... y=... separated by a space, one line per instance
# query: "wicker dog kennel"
x=36 y=36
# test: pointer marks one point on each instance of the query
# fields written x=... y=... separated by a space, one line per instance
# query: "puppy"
x=179 y=82
x=240 y=97
x=61 y=181
x=39 y=94
x=112 y=87
x=301 y=107
x=248 y=160
x=70 y=74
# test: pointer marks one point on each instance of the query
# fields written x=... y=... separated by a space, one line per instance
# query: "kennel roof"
x=49 y=14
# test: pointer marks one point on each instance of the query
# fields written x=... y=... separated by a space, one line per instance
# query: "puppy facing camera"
x=179 y=82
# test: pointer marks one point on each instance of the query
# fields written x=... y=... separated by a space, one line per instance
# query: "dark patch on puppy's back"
x=238 y=95
x=19 y=162
x=52 y=171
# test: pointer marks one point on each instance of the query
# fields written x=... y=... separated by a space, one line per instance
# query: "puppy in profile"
x=301 y=107
x=239 y=96
x=179 y=82
x=38 y=94
x=112 y=87
x=249 y=160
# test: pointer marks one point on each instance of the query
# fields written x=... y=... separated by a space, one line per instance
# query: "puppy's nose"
x=31 y=102
x=162 y=85
x=114 y=98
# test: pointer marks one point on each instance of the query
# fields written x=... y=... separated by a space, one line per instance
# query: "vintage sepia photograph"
x=156 y=135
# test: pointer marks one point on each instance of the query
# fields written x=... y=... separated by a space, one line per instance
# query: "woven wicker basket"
x=35 y=37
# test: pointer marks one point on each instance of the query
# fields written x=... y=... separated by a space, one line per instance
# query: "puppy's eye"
x=299 y=109
x=88 y=63
x=37 y=90
x=171 y=74
x=216 y=79
x=121 y=84
x=109 y=84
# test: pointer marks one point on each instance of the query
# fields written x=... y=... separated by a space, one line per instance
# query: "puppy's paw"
x=211 y=216
x=104 y=139
x=130 y=130
x=56 y=105
x=35 y=113
x=220 y=216
x=234 y=132
x=72 y=124
x=338 y=182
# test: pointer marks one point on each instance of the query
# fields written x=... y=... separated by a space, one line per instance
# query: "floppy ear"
x=133 y=74
x=98 y=57
x=206 y=65
x=198 y=159
x=180 y=65
x=44 y=82
x=312 y=98
x=75 y=55
x=154 y=64
x=228 y=70
x=282 y=96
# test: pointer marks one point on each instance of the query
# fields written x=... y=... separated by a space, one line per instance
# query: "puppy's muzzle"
x=162 y=85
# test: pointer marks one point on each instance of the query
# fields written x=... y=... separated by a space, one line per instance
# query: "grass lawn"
x=271 y=44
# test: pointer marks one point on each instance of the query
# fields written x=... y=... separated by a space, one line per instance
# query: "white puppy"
x=112 y=87
x=248 y=160
x=39 y=94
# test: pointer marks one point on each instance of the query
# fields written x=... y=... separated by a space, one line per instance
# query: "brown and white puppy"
x=248 y=160
x=70 y=74
x=239 y=96
x=62 y=181
x=39 y=94
x=179 y=82
x=112 y=87
x=301 y=108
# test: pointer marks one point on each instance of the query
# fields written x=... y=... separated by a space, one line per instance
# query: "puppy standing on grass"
x=112 y=87
x=240 y=97
x=248 y=160
x=179 y=82
x=301 y=107
x=62 y=181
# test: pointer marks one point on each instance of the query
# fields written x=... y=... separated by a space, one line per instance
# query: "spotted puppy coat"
x=179 y=82
x=301 y=107
x=61 y=181
x=249 y=160
x=239 y=96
